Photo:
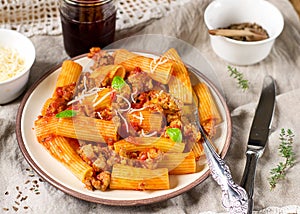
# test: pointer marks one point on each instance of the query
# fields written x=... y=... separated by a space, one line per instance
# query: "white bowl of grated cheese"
x=17 y=55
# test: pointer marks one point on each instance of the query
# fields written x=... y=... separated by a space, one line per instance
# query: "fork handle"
x=234 y=197
x=249 y=176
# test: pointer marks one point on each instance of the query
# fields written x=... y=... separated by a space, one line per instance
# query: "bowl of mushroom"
x=243 y=32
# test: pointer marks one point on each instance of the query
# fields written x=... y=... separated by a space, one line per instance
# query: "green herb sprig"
x=118 y=82
x=175 y=134
x=286 y=151
x=242 y=83
x=66 y=114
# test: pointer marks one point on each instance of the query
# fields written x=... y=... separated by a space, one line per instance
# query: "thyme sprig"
x=242 y=83
x=285 y=149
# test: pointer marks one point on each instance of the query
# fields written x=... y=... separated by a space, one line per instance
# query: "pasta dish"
x=126 y=121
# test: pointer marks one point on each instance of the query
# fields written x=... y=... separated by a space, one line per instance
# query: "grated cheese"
x=132 y=95
x=148 y=135
x=127 y=101
x=160 y=93
x=86 y=93
x=83 y=95
x=11 y=63
x=102 y=98
x=125 y=121
x=159 y=61
x=99 y=115
x=141 y=118
x=84 y=85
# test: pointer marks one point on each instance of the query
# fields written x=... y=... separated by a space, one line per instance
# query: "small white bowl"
x=222 y=13
x=13 y=87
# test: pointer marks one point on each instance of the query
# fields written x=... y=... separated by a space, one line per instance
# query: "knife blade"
x=258 y=136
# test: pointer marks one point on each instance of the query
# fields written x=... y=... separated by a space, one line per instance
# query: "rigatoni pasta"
x=179 y=163
x=70 y=73
x=208 y=112
x=104 y=74
x=45 y=127
x=99 y=130
x=99 y=100
x=125 y=122
x=180 y=84
x=127 y=177
x=142 y=143
x=62 y=150
x=159 y=69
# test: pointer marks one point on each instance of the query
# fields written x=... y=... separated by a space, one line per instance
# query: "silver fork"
x=234 y=197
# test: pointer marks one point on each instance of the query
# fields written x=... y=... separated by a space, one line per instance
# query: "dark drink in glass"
x=87 y=24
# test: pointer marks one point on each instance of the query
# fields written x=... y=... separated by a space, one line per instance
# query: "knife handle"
x=249 y=176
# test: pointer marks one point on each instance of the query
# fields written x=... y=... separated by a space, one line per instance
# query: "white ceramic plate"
x=57 y=175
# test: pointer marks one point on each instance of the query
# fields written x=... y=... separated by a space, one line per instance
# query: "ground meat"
x=176 y=124
x=89 y=82
x=100 y=182
x=140 y=100
x=174 y=120
x=103 y=181
x=209 y=127
x=153 y=153
x=87 y=153
x=88 y=183
x=100 y=157
x=65 y=92
x=140 y=82
x=60 y=99
x=56 y=105
x=102 y=160
x=100 y=163
x=100 y=58
x=116 y=120
x=165 y=101
x=191 y=133
x=119 y=101
x=172 y=117
x=145 y=159
x=104 y=114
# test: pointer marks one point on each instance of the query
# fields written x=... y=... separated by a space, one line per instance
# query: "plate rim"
x=111 y=202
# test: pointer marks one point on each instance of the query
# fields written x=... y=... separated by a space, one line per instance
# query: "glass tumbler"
x=87 y=24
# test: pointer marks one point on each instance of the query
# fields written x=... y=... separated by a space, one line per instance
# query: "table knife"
x=258 y=136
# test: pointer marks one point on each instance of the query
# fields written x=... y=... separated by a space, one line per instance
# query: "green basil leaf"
x=117 y=82
x=66 y=113
x=175 y=134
